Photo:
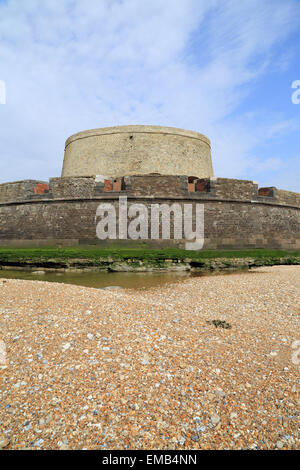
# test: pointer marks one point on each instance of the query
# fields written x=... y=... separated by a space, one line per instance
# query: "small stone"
x=64 y=447
x=201 y=428
x=39 y=442
x=220 y=393
x=3 y=442
x=48 y=418
x=280 y=444
x=215 y=419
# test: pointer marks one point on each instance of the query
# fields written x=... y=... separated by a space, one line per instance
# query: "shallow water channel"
x=142 y=280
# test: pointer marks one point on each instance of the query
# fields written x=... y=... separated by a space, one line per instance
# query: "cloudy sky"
x=224 y=68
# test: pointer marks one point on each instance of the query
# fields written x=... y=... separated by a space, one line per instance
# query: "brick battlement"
x=141 y=186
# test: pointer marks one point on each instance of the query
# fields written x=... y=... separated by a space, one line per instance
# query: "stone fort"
x=148 y=164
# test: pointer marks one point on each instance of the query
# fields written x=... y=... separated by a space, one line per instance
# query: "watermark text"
x=296 y=353
x=296 y=94
x=2 y=92
x=138 y=221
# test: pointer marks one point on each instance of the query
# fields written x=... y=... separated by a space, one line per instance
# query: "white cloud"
x=71 y=65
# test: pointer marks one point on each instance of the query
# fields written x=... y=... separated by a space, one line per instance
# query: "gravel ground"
x=124 y=369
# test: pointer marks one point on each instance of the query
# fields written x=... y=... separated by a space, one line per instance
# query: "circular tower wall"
x=137 y=150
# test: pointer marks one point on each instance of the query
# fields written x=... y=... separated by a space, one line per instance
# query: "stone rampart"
x=238 y=214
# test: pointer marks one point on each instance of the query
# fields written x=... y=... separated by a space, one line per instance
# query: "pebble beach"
x=210 y=362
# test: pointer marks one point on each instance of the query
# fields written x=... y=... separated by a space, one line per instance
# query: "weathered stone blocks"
x=137 y=150
x=237 y=214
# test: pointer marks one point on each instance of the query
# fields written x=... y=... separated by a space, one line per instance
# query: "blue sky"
x=220 y=67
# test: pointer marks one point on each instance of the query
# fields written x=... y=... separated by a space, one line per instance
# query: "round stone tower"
x=137 y=150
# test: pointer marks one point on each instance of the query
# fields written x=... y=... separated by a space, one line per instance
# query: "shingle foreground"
x=124 y=369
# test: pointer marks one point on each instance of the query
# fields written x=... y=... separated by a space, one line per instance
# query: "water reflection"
x=99 y=279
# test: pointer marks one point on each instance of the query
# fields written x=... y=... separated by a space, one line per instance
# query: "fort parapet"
x=238 y=214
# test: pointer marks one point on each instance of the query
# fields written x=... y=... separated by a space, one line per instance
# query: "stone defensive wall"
x=137 y=150
x=62 y=211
